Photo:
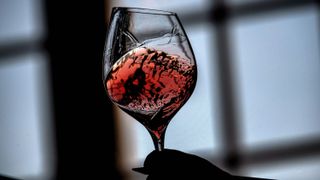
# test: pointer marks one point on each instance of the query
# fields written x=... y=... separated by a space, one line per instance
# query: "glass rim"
x=144 y=10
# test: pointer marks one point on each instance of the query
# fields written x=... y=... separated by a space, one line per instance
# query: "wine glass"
x=149 y=69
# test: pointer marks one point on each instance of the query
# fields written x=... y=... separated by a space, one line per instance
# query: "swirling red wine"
x=151 y=86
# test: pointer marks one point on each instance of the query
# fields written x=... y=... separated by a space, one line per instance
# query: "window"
x=25 y=122
x=278 y=75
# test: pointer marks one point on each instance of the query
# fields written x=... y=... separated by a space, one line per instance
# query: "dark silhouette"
x=2 y=177
x=173 y=164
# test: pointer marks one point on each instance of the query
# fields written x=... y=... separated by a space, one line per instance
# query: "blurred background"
x=255 y=110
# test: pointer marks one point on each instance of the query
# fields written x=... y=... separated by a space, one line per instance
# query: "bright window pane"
x=277 y=65
x=20 y=20
x=26 y=149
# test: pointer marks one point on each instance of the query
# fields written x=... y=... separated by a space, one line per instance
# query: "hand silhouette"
x=173 y=164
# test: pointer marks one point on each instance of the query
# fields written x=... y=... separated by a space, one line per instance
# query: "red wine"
x=151 y=86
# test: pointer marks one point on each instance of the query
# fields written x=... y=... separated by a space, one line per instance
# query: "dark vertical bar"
x=229 y=127
x=83 y=116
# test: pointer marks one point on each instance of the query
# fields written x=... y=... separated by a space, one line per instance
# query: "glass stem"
x=158 y=142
